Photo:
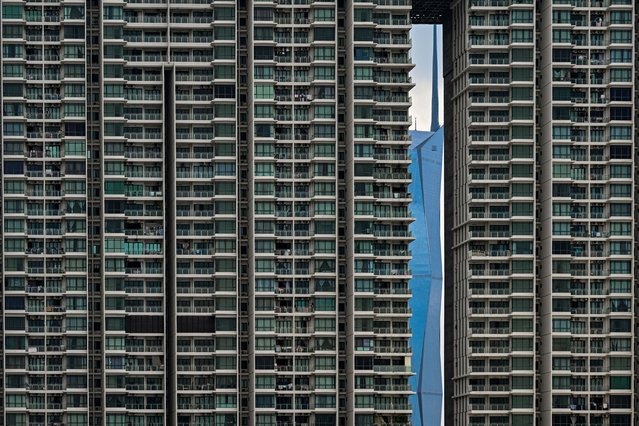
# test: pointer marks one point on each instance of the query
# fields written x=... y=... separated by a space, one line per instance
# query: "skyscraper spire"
x=434 y=121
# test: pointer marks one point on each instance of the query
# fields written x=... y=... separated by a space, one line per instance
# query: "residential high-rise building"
x=540 y=174
x=205 y=212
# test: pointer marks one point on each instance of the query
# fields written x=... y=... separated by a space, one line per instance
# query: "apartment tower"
x=205 y=212
x=540 y=159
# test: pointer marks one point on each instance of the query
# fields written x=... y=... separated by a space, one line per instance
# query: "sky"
x=422 y=54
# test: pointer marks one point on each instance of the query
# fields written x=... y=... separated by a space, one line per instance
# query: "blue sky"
x=422 y=54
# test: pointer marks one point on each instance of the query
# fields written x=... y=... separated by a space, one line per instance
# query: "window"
x=263 y=14
x=522 y=55
x=363 y=73
x=263 y=52
x=264 y=324
x=620 y=36
x=264 y=207
x=77 y=90
x=325 y=324
x=73 y=12
x=326 y=131
x=265 y=285
x=113 y=13
x=620 y=17
x=11 y=31
x=620 y=286
x=522 y=36
x=224 y=14
x=264 y=150
x=262 y=33
x=620 y=382
x=226 y=72
x=12 y=11
x=324 y=169
x=620 y=267
x=13 y=186
x=324 y=73
x=113 y=51
x=325 y=15
x=324 y=150
x=112 y=32
x=78 y=419
x=224 y=52
x=116 y=420
x=324 y=53
x=561 y=36
x=325 y=401
x=13 y=129
x=325 y=111
x=620 y=190
x=75 y=147
x=265 y=419
x=325 y=92
x=263 y=111
x=522 y=113
x=263 y=72
x=264 y=91
x=264 y=188
x=620 y=171
x=522 y=16
x=264 y=401
x=324 y=304
x=621 y=55
x=73 y=110
x=264 y=130
x=225 y=33
x=522 y=74
x=224 y=130
x=325 y=246
x=113 y=71
x=620 y=209
x=325 y=188
x=620 y=113
x=12 y=70
x=225 y=169
x=328 y=34
x=76 y=265
x=225 y=401
x=15 y=342
x=620 y=305
x=264 y=265
x=560 y=132
x=620 y=75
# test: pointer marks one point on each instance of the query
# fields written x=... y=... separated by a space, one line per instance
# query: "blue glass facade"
x=426 y=266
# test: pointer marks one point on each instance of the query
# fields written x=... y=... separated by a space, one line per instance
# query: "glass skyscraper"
x=427 y=154
x=205 y=212
x=426 y=266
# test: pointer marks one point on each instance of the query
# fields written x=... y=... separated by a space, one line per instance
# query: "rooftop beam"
x=429 y=11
